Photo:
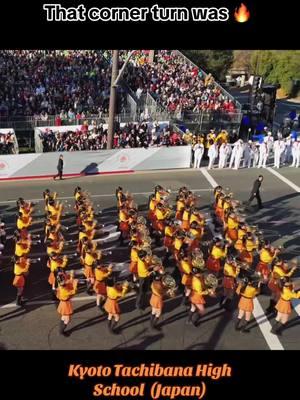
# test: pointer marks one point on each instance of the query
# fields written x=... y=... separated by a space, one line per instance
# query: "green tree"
x=216 y=62
x=277 y=67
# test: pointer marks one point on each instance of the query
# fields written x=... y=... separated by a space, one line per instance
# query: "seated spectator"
x=7 y=145
x=95 y=137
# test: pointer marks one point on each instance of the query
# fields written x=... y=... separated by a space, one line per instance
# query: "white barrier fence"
x=80 y=163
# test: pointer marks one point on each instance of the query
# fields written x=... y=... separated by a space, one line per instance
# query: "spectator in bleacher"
x=7 y=143
x=95 y=138
x=177 y=85
x=41 y=82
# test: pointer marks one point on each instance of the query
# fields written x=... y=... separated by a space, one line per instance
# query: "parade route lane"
x=36 y=326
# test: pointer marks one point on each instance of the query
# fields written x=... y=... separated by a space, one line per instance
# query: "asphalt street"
x=35 y=326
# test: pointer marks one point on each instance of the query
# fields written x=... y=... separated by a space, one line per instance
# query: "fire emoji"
x=242 y=14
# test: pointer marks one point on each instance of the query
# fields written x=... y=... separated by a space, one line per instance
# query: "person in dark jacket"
x=255 y=192
x=60 y=168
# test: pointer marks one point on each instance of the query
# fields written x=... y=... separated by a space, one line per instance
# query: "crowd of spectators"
x=49 y=82
x=131 y=135
x=7 y=145
x=176 y=84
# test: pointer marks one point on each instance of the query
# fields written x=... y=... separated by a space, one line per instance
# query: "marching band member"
x=196 y=232
x=280 y=270
x=152 y=207
x=54 y=263
x=21 y=270
x=247 y=290
x=162 y=285
x=230 y=272
x=178 y=243
x=180 y=206
x=232 y=227
x=90 y=258
x=23 y=222
x=133 y=267
x=55 y=246
x=144 y=272
x=101 y=274
x=185 y=225
x=67 y=288
x=22 y=244
x=267 y=255
x=114 y=293
x=283 y=306
x=217 y=254
x=185 y=268
x=123 y=223
x=198 y=291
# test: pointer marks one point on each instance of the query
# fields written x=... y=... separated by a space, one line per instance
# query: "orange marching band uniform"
x=67 y=288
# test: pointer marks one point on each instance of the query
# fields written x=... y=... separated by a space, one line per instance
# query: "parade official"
x=256 y=192
x=60 y=168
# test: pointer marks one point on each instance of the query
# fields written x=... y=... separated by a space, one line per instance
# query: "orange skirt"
x=284 y=306
x=100 y=288
x=111 y=306
x=196 y=298
x=156 y=301
x=51 y=279
x=186 y=280
x=228 y=282
x=65 y=308
x=246 y=304
x=88 y=272
x=246 y=256
x=168 y=242
x=19 y=281
x=232 y=234
x=213 y=265
x=263 y=268
x=133 y=267
x=185 y=225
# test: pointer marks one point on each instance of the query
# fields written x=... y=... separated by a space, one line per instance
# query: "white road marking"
x=258 y=312
x=101 y=195
x=284 y=179
x=265 y=327
x=209 y=178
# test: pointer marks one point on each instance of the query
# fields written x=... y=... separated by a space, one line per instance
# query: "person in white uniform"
x=222 y=155
x=198 y=154
x=239 y=154
x=270 y=142
x=279 y=148
x=212 y=154
x=247 y=154
x=233 y=153
x=263 y=155
x=254 y=154
x=296 y=153
x=288 y=150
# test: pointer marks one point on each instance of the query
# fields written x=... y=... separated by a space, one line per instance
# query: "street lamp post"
x=112 y=99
